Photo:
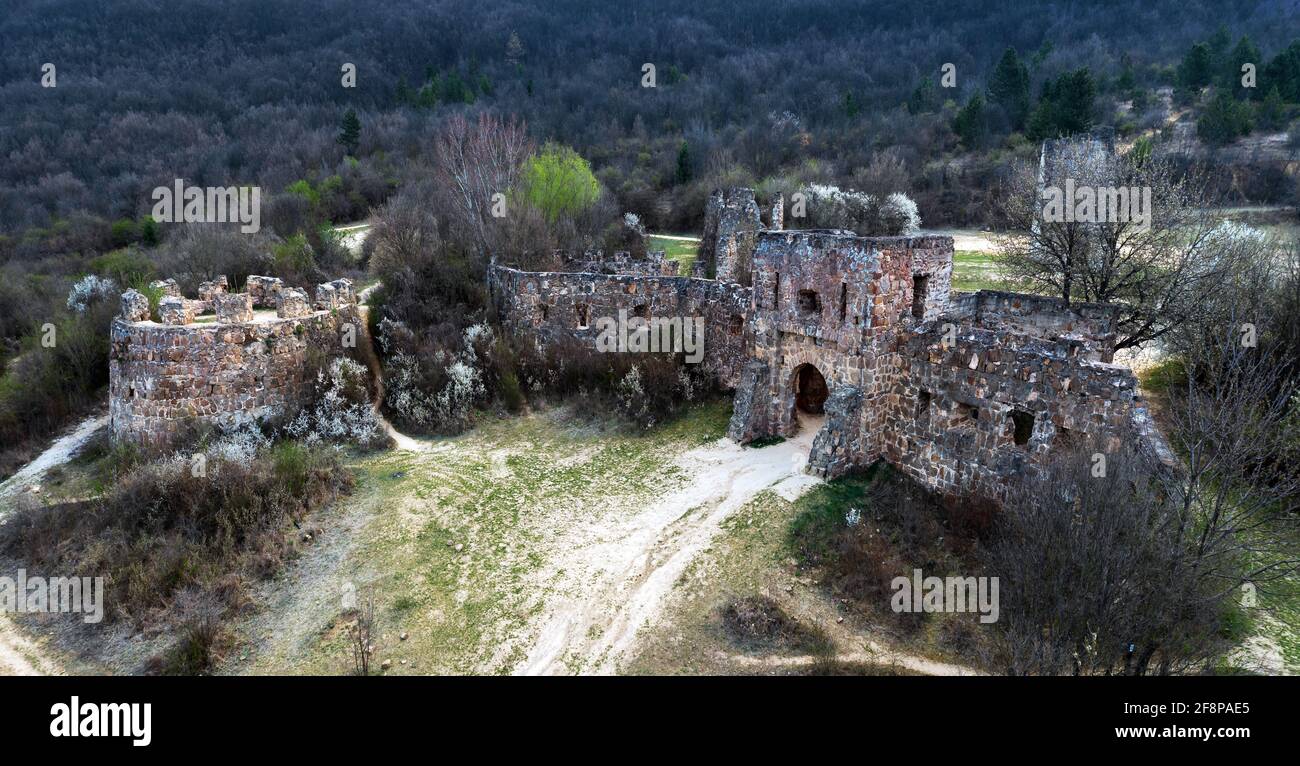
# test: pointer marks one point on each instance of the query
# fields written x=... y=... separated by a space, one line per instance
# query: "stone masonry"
x=216 y=369
x=731 y=224
x=961 y=393
x=556 y=308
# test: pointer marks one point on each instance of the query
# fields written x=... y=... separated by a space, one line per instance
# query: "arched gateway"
x=810 y=390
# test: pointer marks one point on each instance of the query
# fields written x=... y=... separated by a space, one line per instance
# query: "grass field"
x=973 y=270
x=683 y=251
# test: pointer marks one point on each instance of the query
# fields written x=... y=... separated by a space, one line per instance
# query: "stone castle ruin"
x=863 y=339
x=221 y=359
x=859 y=338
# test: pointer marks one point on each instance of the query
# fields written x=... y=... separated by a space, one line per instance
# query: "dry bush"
x=177 y=549
x=760 y=622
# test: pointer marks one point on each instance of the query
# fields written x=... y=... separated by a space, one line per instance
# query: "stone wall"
x=969 y=414
x=216 y=370
x=731 y=224
x=834 y=300
x=1041 y=316
x=654 y=264
x=962 y=395
x=562 y=308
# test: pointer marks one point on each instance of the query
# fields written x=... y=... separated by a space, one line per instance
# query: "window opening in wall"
x=965 y=415
x=776 y=291
x=923 y=404
x=582 y=316
x=641 y=310
x=737 y=324
x=809 y=302
x=1022 y=426
x=844 y=300
x=920 y=285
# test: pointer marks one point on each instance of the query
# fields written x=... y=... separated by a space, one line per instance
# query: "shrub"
x=760 y=622
x=175 y=547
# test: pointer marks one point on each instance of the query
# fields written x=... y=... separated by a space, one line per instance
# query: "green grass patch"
x=1158 y=378
x=820 y=514
x=683 y=251
x=973 y=270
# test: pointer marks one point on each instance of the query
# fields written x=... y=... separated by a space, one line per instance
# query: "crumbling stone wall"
x=655 y=263
x=971 y=413
x=219 y=370
x=1041 y=317
x=961 y=395
x=562 y=308
x=731 y=224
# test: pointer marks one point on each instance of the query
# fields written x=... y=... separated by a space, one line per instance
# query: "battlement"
x=221 y=359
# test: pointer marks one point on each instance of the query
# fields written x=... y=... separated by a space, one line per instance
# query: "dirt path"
x=19 y=656
x=878 y=655
x=624 y=571
x=58 y=453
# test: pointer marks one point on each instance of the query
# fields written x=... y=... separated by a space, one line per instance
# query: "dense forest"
x=250 y=91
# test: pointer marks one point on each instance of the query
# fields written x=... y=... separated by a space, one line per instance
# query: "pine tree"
x=350 y=132
x=1197 y=67
x=1126 y=84
x=970 y=124
x=149 y=231
x=925 y=98
x=851 y=105
x=1009 y=88
x=684 y=163
x=1272 y=110
x=1244 y=52
x=1223 y=120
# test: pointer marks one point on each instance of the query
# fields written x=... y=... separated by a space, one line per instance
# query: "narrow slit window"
x=920 y=285
x=1022 y=427
x=582 y=316
x=776 y=291
x=844 y=300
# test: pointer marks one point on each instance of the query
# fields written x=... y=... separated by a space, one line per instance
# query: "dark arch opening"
x=810 y=390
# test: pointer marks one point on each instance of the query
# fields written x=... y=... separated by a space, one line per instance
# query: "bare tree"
x=1158 y=270
x=1087 y=569
x=1131 y=571
x=361 y=636
x=475 y=161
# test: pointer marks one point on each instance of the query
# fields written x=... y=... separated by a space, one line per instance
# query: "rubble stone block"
x=135 y=306
x=292 y=302
x=167 y=287
x=263 y=290
x=327 y=297
x=233 y=307
x=175 y=310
